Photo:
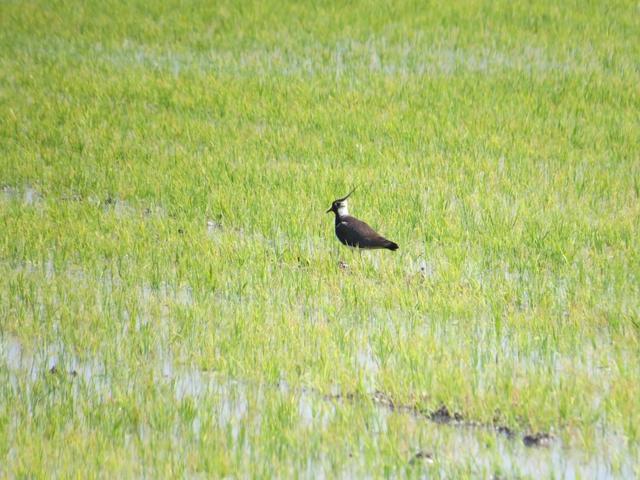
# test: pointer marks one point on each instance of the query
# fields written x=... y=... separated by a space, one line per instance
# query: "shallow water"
x=26 y=195
x=480 y=448
x=237 y=402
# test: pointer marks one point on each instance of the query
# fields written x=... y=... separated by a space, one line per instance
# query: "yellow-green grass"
x=165 y=168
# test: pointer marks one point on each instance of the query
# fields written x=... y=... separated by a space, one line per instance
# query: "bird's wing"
x=355 y=232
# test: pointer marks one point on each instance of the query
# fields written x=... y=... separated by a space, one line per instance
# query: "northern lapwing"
x=355 y=233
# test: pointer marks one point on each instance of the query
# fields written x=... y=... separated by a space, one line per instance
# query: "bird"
x=356 y=233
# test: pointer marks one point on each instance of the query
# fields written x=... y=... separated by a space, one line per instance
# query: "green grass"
x=496 y=142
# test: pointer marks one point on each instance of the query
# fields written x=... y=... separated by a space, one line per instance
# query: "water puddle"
x=26 y=195
x=213 y=228
x=123 y=209
x=29 y=196
x=378 y=54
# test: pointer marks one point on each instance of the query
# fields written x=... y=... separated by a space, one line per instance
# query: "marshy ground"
x=173 y=300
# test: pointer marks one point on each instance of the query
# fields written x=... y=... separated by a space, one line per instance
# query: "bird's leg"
x=361 y=262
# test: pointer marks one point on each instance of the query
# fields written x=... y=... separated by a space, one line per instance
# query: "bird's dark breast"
x=345 y=240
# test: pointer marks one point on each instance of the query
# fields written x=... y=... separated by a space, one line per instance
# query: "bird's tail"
x=391 y=245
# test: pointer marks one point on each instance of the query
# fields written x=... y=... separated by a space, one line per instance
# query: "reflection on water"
x=237 y=404
x=27 y=195
x=367 y=364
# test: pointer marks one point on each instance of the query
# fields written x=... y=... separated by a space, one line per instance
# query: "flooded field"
x=142 y=365
x=438 y=442
x=174 y=302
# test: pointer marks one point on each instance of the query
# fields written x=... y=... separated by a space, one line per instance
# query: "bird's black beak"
x=331 y=209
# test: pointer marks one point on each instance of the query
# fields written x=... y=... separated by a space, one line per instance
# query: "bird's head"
x=339 y=206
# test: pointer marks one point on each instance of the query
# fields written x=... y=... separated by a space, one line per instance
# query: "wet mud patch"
x=540 y=439
x=444 y=416
x=422 y=457
x=122 y=208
